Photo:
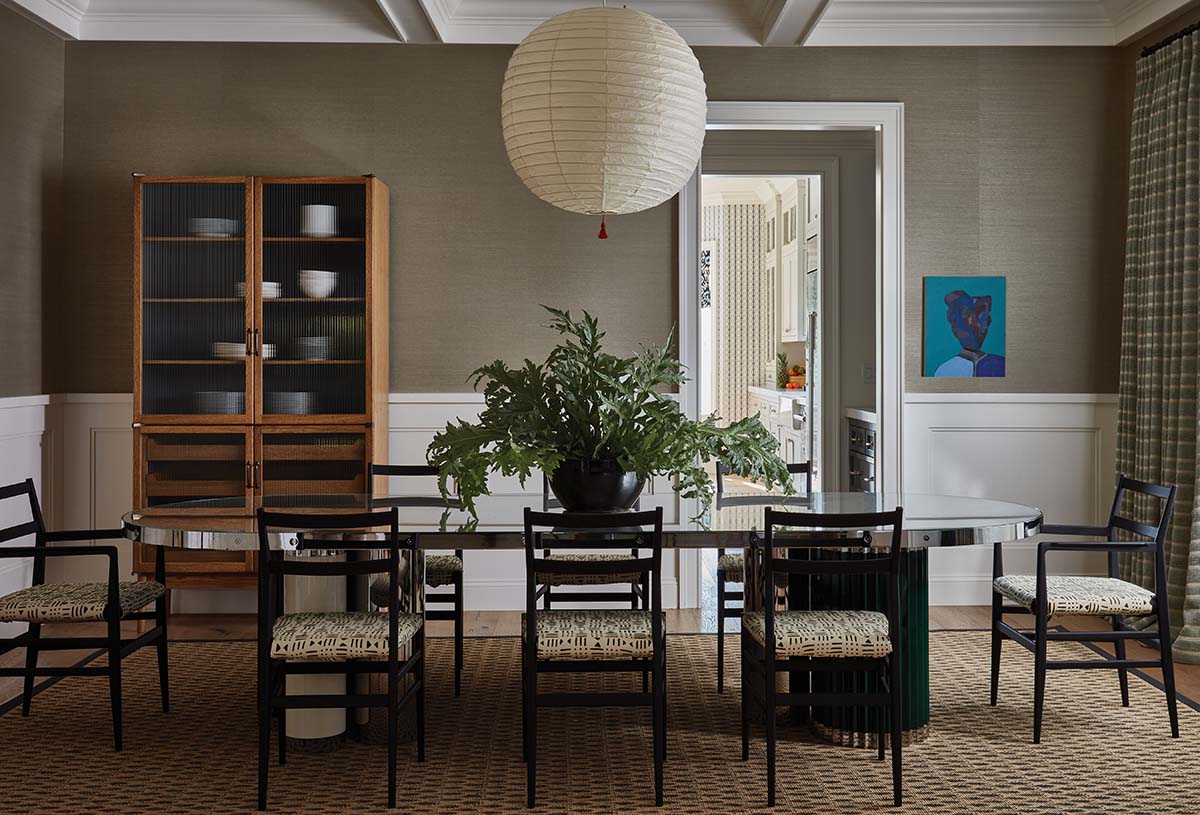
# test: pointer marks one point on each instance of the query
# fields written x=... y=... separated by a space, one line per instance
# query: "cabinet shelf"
x=237 y=361
x=313 y=361
x=190 y=239
x=193 y=300
x=313 y=240
x=314 y=300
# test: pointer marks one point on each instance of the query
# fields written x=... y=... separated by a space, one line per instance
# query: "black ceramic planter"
x=595 y=485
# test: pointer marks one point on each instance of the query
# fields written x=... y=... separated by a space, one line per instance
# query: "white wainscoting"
x=1053 y=451
x=92 y=469
x=22 y=439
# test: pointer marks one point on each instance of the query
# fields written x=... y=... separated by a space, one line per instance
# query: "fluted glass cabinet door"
x=190 y=463
x=193 y=300
x=314 y=265
x=308 y=460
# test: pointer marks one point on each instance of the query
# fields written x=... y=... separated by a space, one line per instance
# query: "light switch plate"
x=868 y=373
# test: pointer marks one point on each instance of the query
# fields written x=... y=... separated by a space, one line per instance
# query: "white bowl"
x=268 y=350
x=318 y=221
x=316 y=283
x=228 y=350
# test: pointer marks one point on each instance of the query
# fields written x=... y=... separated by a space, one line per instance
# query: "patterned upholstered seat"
x=1078 y=595
x=588 y=579
x=858 y=634
x=593 y=634
x=61 y=602
x=335 y=636
x=734 y=566
x=439 y=571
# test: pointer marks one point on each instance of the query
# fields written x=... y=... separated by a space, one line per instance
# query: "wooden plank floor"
x=508 y=624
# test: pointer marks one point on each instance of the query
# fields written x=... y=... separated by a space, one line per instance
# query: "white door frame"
x=887 y=120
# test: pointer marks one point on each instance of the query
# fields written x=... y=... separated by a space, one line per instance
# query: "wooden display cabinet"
x=261 y=347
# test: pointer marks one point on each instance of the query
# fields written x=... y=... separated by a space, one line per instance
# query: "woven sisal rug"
x=201 y=757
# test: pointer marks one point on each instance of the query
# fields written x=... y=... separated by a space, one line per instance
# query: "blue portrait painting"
x=964 y=326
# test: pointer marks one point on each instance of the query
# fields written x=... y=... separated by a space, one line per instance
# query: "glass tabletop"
x=929 y=520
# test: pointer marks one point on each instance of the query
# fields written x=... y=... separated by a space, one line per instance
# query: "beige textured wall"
x=1015 y=158
x=31 y=145
x=472 y=251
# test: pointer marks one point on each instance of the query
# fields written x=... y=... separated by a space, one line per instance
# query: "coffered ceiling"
x=701 y=22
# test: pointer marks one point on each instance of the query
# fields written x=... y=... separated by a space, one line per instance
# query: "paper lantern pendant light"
x=603 y=111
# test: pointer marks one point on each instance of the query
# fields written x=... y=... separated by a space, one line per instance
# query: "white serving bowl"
x=228 y=350
x=316 y=283
x=318 y=221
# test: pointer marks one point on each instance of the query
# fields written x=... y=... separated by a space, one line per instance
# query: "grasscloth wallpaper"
x=31 y=128
x=1015 y=165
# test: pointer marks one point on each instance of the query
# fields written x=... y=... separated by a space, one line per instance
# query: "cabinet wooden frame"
x=144 y=435
x=375 y=257
x=370 y=451
x=140 y=416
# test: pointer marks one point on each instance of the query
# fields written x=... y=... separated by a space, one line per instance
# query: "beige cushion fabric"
x=62 y=602
x=1078 y=595
x=593 y=634
x=335 y=636
x=860 y=634
x=734 y=566
x=588 y=579
x=439 y=571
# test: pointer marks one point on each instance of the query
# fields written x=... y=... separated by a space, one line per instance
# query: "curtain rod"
x=1150 y=49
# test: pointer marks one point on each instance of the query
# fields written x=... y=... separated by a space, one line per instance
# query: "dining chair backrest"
x=1142 y=493
x=849 y=536
x=796 y=468
x=35 y=526
x=397 y=471
x=633 y=532
x=334 y=533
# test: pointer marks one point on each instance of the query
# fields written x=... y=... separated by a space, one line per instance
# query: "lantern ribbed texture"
x=603 y=111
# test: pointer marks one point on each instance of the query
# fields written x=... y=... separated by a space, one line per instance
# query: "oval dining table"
x=734 y=521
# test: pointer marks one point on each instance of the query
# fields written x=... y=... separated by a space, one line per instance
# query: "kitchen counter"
x=779 y=393
x=867 y=415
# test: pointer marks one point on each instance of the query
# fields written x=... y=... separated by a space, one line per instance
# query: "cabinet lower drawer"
x=198 y=570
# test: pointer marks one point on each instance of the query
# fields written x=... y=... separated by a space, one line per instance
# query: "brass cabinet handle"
x=257 y=482
x=249 y=483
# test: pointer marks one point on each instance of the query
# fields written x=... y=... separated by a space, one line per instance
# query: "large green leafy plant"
x=583 y=403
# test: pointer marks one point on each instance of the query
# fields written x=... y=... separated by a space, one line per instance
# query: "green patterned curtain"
x=1159 y=415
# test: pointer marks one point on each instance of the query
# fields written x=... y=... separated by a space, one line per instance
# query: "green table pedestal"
x=856 y=726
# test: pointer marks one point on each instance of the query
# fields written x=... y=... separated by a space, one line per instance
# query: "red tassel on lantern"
x=603 y=232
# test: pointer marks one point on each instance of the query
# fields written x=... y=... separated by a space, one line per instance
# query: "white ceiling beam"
x=1131 y=20
x=63 y=17
x=789 y=22
x=408 y=19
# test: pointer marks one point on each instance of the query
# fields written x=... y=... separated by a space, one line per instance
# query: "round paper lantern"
x=603 y=111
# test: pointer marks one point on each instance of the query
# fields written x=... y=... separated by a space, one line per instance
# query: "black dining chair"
x=1045 y=596
x=335 y=642
x=593 y=640
x=828 y=640
x=440 y=570
x=567 y=587
x=731 y=568
x=111 y=601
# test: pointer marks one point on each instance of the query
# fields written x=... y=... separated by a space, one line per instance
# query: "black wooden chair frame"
x=273 y=699
x=1121 y=633
x=738 y=596
x=850 y=531
x=615 y=533
x=637 y=593
x=113 y=644
x=453 y=598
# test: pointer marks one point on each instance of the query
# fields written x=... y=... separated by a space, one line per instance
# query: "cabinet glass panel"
x=314 y=299
x=312 y=462
x=193 y=299
x=184 y=466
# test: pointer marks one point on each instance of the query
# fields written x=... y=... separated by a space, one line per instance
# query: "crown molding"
x=62 y=17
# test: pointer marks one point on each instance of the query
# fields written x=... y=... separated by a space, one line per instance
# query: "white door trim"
x=887 y=120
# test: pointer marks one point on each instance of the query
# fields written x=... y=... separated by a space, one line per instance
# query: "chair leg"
x=421 y=699
x=720 y=630
x=882 y=725
x=31 y=661
x=769 y=716
x=658 y=713
x=997 y=643
x=114 y=678
x=1122 y=673
x=1039 y=678
x=524 y=707
x=896 y=716
x=264 y=729
x=161 y=609
x=458 y=633
x=745 y=697
x=531 y=734
x=393 y=714
x=1168 y=663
